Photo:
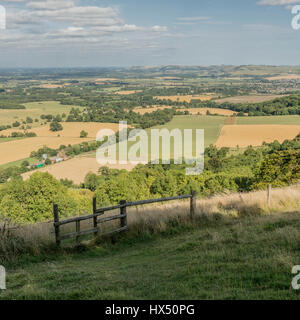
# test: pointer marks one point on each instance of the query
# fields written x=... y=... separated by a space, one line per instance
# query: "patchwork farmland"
x=69 y=135
x=34 y=110
x=185 y=98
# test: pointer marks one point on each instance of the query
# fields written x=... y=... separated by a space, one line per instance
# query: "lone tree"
x=55 y=126
x=83 y=134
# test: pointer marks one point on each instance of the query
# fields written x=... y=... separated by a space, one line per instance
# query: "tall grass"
x=152 y=219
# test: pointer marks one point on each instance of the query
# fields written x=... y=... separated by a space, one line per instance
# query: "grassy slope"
x=249 y=258
x=284 y=120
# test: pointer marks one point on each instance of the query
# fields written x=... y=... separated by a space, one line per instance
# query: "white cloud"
x=50 y=4
x=64 y=24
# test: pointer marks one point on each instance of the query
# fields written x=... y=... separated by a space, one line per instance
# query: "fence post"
x=77 y=231
x=56 y=227
x=123 y=211
x=269 y=194
x=95 y=217
x=193 y=204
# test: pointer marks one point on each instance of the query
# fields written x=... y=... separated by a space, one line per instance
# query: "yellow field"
x=286 y=77
x=151 y=109
x=193 y=111
x=51 y=86
x=70 y=129
x=20 y=149
x=249 y=99
x=75 y=169
x=106 y=79
x=245 y=135
x=187 y=98
x=221 y=112
x=128 y=92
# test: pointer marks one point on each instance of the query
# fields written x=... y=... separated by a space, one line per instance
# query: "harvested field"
x=187 y=98
x=245 y=135
x=70 y=129
x=20 y=149
x=218 y=111
x=124 y=93
x=285 y=77
x=75 y=169
x=249 y=99
x=151 y=109
x=106 y=79
x=51 y=86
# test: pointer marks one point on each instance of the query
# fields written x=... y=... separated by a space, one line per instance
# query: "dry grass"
x=20 y=149
x=157 y=218
x=76 y=169
x=125 y=93
x=143 y=111
x=203 y=111
x=245 y=135
x=30 y=239
x=186 y=98
x=285 y=77
x=249 y=99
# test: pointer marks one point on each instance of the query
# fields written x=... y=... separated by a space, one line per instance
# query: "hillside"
x=245 y=258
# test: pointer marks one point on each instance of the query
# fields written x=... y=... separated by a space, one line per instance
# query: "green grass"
x=34 y=110
x=284 y=120
x=249 y=258
x=211 y=124
x=10 y=139
x=18 y=163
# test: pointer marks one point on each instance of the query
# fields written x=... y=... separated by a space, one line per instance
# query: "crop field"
x=283 y=120
x=203 y=111
x=125 y=93
x=20 y=149
x=186 y=98
x=285 y=77
x=245 y=135
x=249 y=99
x=211 y=124
x=34 y=110
x=76 y=169
x=192 y=111
x=70 y=130
x=150 y=109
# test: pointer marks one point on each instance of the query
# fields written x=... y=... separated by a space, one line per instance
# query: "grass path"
x=249 y=258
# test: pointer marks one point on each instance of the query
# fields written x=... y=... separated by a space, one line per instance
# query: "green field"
x=284 y=120
x=34 y=110
x=211 y=124
x=18 y=163
x=241 y=258
x=9 y=139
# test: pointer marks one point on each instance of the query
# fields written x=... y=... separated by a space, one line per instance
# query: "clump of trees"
x=55 y=126
x=32 y=200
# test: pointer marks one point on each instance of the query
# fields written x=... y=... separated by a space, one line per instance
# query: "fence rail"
x=99 y=212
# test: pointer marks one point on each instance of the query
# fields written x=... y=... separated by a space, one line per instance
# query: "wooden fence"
x=97 y=220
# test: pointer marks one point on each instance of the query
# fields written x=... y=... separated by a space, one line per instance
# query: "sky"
x=102 y=33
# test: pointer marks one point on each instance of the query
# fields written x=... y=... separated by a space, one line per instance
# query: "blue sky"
x=70 y=33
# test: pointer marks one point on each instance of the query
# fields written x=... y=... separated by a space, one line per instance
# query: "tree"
x=83 y=134
x=55 y=126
